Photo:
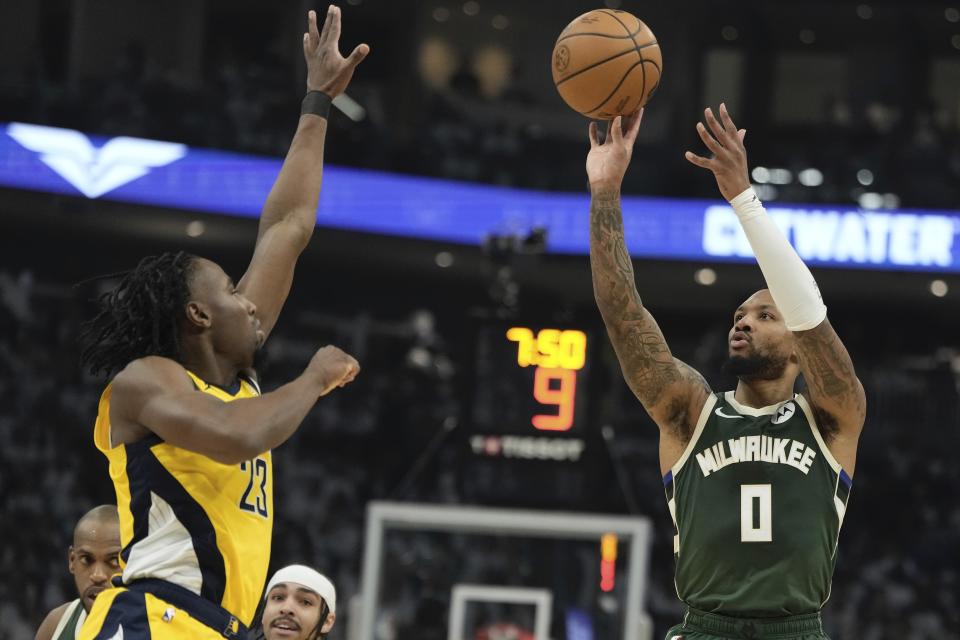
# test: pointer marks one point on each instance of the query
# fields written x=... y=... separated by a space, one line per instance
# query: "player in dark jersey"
x=93 y=558
x=757 y=479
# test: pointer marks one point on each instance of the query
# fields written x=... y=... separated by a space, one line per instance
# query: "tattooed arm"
x=672 y=392
x=834 y=390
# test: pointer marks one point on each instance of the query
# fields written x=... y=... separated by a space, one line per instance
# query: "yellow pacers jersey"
x=189 y=520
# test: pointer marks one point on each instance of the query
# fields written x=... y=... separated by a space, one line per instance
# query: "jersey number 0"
x=756 y=517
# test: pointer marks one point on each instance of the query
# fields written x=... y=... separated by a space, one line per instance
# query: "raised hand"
x=729 y=160
x=327 y=70
x=607 y=162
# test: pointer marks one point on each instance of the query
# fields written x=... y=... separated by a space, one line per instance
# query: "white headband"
x=308 y=578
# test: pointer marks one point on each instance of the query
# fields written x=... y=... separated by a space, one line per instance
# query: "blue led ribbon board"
x=165 y=174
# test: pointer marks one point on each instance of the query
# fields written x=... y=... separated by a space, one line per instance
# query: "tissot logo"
x=528 y=447
x=94 y=171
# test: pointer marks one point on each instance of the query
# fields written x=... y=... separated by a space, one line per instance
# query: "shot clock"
x=556 y=355
x=529 y=435
x=530 y=380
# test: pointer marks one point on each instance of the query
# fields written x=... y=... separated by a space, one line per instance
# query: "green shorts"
x=699 y=625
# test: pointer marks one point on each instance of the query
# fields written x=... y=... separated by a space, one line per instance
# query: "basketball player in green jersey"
x=93 y=558
x=757 y=479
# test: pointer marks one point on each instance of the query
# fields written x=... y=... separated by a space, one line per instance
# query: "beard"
x=755 y=367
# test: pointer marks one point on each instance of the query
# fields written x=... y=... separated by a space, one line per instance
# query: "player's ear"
x=328 y=623
x=70 y=558
x=198 y=315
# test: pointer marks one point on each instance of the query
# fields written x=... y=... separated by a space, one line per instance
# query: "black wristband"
x=316 y=102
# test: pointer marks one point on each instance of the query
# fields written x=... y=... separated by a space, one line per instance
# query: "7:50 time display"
x=557 y=354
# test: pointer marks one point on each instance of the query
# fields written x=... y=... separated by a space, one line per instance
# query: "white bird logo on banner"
x=95 y=171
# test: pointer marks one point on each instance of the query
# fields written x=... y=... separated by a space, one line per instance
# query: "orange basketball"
x=606 y=63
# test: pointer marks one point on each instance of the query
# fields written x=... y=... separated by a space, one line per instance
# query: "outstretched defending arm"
x=672 y=392
x=290 y=212
x=833 y=387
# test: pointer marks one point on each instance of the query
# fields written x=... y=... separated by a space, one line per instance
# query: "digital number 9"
x=563 y=397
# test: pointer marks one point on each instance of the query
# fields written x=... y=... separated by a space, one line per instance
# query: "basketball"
x=606 y=63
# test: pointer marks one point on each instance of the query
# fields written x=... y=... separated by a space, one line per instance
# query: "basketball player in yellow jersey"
x=184 y=426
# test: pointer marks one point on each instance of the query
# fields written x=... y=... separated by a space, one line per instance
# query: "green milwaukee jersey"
x=70 y=622
x=757 y=501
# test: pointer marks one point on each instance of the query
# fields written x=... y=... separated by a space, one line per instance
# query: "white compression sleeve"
x=790 y=281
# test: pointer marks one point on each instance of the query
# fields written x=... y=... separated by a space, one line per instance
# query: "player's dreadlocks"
x=139 y=317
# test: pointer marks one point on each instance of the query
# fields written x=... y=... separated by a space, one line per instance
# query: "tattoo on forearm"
x=645 y=358
x=829 y=373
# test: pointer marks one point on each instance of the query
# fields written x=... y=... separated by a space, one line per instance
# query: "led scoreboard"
x=529 y=432
x=556 y=355
x=530 y=381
